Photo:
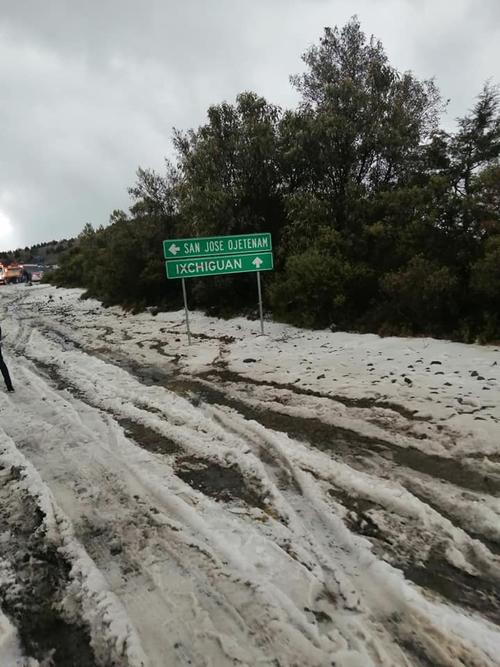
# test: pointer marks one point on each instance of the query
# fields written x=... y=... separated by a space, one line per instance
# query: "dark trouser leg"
x=5 y=372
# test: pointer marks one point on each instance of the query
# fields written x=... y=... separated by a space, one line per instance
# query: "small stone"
x=249 y=360
x=115 y=548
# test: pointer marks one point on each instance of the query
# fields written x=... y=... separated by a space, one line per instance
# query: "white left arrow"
x=257 y=262
x=174 y=249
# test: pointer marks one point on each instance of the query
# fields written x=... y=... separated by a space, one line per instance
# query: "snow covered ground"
x=303 y=498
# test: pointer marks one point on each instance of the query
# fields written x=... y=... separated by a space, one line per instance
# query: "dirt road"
x=304 y=498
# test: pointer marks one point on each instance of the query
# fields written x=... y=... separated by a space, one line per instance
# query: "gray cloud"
x=90 y=91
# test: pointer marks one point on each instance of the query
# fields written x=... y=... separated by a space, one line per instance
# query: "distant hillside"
x=41 y=253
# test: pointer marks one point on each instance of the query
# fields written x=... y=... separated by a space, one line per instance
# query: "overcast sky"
x=91 y=90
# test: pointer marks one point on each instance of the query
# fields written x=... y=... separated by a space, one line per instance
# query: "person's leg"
x=5 y=372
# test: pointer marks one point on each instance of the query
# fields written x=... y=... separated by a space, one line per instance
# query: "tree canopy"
x=381 y=220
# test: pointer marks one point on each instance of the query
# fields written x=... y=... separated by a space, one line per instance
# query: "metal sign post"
x=260 y=304
x=186 y=311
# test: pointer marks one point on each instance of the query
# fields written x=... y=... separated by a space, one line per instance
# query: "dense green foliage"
x=381 y=221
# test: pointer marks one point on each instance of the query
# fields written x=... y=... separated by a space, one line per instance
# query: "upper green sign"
x=212 y=246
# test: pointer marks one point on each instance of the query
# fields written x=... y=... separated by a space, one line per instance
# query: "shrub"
x=422 y=296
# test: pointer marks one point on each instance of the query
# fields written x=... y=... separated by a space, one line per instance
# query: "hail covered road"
x=295 y=499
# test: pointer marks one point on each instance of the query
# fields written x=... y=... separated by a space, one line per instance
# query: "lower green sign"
x=207 y=266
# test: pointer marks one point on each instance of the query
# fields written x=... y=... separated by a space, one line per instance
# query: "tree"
x=361 y=123
x=476 y=145
x=349 y=156
x=154 y=194
x=230 y=177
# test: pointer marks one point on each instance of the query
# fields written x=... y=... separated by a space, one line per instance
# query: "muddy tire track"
x=344 y=443
x=224 y=375
x=40 y=575
x=479 y=592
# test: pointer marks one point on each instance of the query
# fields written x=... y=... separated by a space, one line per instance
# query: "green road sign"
x=216 y=266
x=213 y=246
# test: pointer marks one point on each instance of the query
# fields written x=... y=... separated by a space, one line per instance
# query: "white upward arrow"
x=257 y=262
x=174 y=249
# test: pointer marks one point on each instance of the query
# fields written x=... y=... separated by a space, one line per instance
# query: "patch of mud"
x=227 y=340
x=62 y=339
x=50 y=373
x=231 y=376
x=148 y=439
x=460 y=473
x=33 y=593
x=456 y=519
x=420 y=556
x=412 y=645
x=455 y=585
x=219 y=482
x=224 y=338
x=147 y=374
x=158 y=346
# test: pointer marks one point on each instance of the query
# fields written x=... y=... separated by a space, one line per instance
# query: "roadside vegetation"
x=381 y=220
x=47 y=254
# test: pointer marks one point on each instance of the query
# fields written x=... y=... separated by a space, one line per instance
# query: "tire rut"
x=479 y=593
x=40 y=575
x=346 y=443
